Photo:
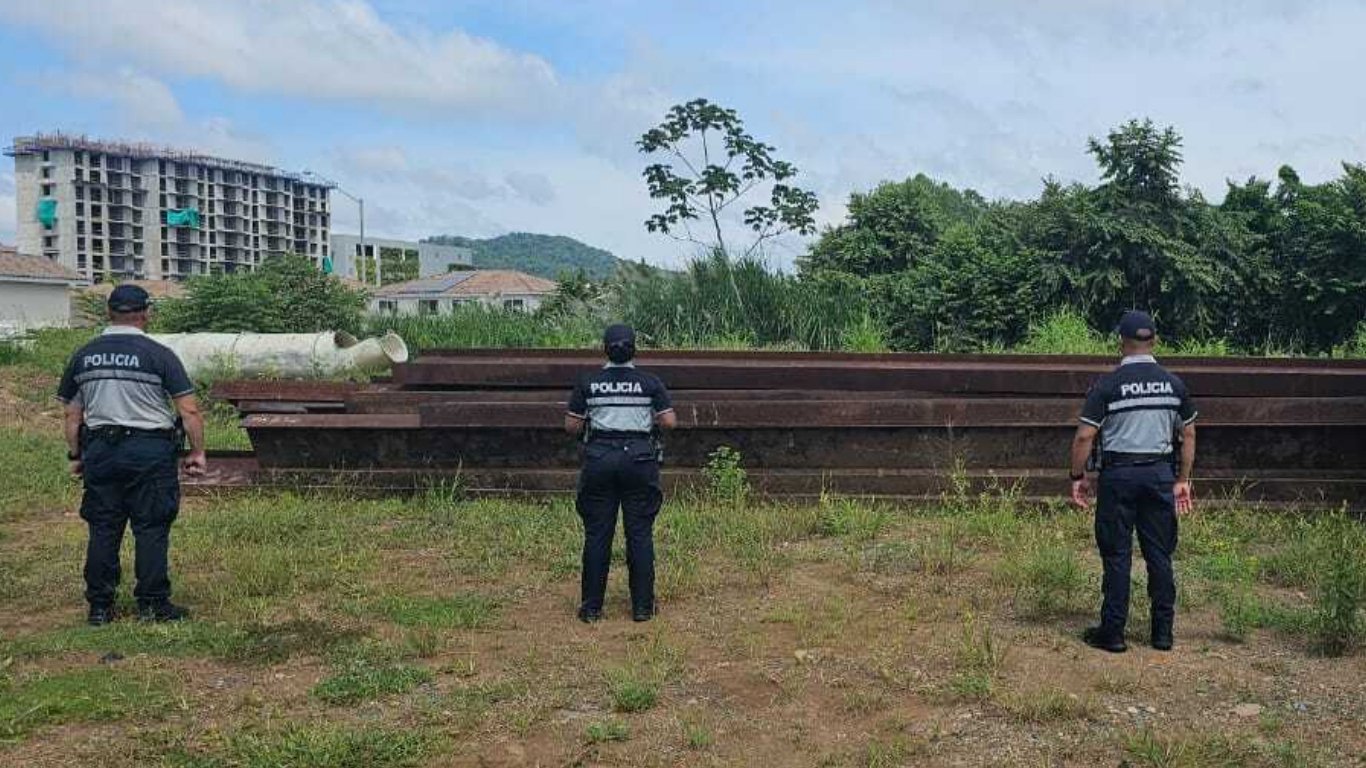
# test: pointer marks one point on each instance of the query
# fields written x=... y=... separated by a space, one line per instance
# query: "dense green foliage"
x=1273 y=267
x=550 y=256
x=286 y=294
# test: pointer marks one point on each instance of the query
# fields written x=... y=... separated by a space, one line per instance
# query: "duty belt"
x=114 y=433
x=1117 y=459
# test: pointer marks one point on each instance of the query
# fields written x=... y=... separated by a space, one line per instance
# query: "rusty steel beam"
x=395 y=441
x=1033 y=484
x=262 y=390
x=946 y=377
x=943 y=412
x=592 y=357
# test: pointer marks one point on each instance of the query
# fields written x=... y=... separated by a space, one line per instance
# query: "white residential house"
x=34 y=292
x=495 y=288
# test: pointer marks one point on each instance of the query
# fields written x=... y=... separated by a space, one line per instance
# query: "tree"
x=286 y=294
x=720 y=164
x=892 y=227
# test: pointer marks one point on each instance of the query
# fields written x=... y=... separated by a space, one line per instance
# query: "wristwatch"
x=1075 y=478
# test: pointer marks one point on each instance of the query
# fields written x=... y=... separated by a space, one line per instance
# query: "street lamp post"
x=360 y=203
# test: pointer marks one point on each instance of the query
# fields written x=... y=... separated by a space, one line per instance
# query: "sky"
x=478 y=117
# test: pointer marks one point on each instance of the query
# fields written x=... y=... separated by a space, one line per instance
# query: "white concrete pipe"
x=284 y=355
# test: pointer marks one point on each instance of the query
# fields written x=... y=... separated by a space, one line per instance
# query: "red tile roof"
x=17 y=265
x=491 y=282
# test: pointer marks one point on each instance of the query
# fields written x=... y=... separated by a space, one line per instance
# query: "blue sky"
x=477 y=117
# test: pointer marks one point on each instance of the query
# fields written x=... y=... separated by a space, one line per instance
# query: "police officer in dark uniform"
x=122 y=438
x=1146 y=423
x=617 y=409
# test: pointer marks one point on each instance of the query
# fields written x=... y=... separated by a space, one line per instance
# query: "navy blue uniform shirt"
x=619 y=400
x=124 y=379
x=1138 y=407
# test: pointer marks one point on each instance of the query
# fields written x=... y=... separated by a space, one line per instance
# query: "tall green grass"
x=475 y=326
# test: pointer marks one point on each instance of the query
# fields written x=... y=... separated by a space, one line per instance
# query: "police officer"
x=617 y=410
x=121 y=434
x=1146 y=422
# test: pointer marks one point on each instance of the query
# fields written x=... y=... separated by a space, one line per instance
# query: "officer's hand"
x=1081 y=493
x=77 y=467
x=1181 y=490
x=196 y=463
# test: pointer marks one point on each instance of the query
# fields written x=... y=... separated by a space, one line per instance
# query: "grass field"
x=436 y=631
x=334 y=632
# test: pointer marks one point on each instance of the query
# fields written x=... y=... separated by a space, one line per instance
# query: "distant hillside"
x=546 y=255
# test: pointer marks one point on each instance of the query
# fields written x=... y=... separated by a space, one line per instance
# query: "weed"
x=1046 y=706
x=979 y=649
x=455 y=612
x=697 y=735
x=1341 y=587
x=86 y=695
x=863 y=702
x=631 y=693
x=605 y=731
x=849 y=518
x=313 y=746
x=250 y=643
x=969 y=686
x=1206 y=751
x=360 y=681
x=1045 y=576
x=726 y=479
x=886 y=754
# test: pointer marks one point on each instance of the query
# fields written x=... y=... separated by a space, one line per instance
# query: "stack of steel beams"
x=805 y=423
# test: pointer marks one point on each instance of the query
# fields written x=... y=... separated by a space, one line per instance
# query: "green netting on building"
x=47 y=213
x=183 y=217
x=327 y=265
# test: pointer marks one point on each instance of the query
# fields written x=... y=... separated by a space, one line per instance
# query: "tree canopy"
x=1279 y=265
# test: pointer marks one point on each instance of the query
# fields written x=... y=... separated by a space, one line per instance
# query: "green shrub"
x=1342 y=585
x=726 y=479
x=285 y=294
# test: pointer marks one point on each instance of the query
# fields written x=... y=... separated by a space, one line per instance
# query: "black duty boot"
x=1162 y=637
x=100 y=615
x=590 y=615
x=165 y=611
x=1098 y=637
x=643 y=614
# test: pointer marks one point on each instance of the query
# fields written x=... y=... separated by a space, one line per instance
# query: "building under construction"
x=115 y=210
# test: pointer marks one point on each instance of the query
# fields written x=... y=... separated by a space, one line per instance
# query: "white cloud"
x=142 y=101
x=313 y=49
x=534 y=187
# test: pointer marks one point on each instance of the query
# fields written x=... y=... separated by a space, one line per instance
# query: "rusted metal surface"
x=944 y=377
x=892 y=425
x=263 y=390
x=910 y=484
x=356 y=442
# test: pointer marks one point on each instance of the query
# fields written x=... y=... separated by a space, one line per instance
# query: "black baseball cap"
x=616 y=335
x=128 y=298
x=1136 y=325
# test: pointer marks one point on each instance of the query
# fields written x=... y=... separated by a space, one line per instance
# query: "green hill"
x=546 y=255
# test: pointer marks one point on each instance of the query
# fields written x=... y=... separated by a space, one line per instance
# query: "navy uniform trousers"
x=134 y=481
x=619 y=473
x=1136 y=497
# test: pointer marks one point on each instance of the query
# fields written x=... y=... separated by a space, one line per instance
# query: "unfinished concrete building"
x=114 y=210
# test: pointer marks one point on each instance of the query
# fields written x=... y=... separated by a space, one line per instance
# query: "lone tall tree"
x=720 y=164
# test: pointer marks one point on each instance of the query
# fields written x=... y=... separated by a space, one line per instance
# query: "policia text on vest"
x=618 y=411
x=122 y=392
x=1138 y=430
